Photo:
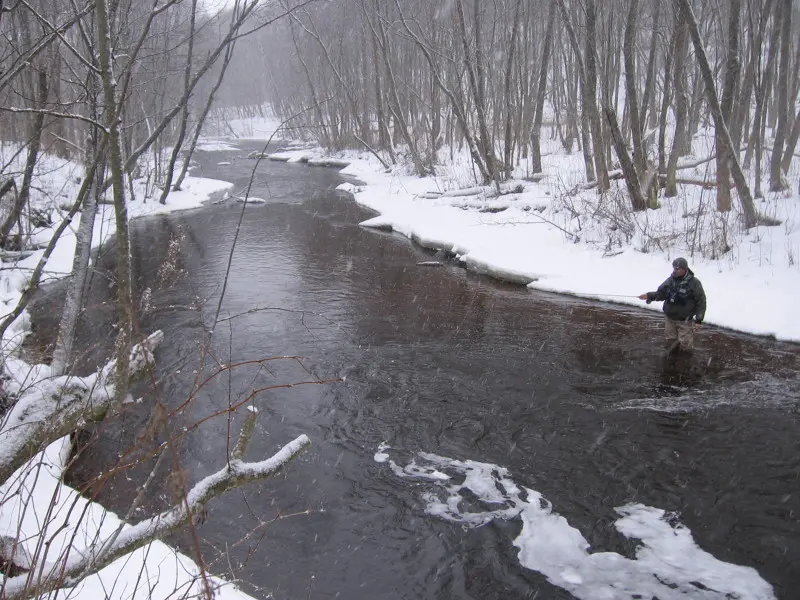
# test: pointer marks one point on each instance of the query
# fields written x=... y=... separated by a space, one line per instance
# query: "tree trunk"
x=756 y=143
x=743 y=102
x=590 y=100
x=681 y=103
x=123 y=254
x=632 y=96
x=436 y=122
x=458 y=106
x=59 y=126
x=639 y=149
x=666 y=99
x=474 y=78
x=394 y=101
x=751 y=79
x=776 y=182
x=384 y=137
x=695 y=106
x=62 y=353
x=791 y=143
x=202 y=118
x=63 y=356
x=187 y=80
x=508 y=145
x=765 y=85
x=726 y=105
x=649 y=83
x=480 y=78
x=34 y=145
x=632 y=178
x=748 y=207
x=536 y=131
x=585 y=118
x=328 y=134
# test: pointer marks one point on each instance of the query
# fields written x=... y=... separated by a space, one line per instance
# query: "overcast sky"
x=213 y=6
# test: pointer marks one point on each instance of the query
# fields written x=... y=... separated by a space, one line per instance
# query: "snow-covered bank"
x=525 y=243
x=554 y=235
x=49 y=519
x=58 y=183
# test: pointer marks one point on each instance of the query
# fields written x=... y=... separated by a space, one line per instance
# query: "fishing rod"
x=606 y=295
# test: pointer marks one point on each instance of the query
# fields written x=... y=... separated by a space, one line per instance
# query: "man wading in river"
x=684 y=305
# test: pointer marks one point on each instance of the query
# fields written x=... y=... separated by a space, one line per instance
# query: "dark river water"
x=574 y=398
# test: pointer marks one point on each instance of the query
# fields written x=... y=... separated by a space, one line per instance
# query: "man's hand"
x=643 y=297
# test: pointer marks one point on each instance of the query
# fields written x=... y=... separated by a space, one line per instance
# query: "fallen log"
x=707 y=185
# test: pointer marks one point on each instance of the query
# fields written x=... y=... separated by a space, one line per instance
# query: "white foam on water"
x=380 y=455
x=668 y=565
x=764 y=391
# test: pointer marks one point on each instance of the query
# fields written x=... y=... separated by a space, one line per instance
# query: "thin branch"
x=23 y=61
x=53 y=113
x=54 y=30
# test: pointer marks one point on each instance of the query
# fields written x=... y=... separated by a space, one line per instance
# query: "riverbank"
x=56 y=182
x=36 y=507
x=555 y=235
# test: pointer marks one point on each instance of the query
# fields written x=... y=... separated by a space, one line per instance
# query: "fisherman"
x=684 y=305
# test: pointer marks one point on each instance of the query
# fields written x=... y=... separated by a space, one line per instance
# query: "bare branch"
x=54 y=113
x=53 y=408
x=23 y=62
x=77 y=567
x=59 y=34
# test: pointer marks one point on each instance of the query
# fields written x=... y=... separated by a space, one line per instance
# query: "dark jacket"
x=683 y=298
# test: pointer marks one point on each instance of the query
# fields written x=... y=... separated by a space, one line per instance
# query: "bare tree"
x=632 y=103
x=679 y=140
x=748 y=207
x=629 y=170
x=475 y=78
x=586 y=94
x=726 y=105
x=124 y=297
x=590 y=100
x=508 y=147
x=187 y=80
x=776 y=182
x=536 y=131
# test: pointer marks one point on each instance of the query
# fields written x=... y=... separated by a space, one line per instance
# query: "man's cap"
x=680 y=263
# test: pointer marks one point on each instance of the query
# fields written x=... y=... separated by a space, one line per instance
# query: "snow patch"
x=381 y=456
x=668 y=564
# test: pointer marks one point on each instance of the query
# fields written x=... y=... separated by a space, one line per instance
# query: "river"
x=574 y=398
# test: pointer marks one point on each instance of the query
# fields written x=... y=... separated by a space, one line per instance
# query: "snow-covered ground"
x=554 y=235
x=49 y=517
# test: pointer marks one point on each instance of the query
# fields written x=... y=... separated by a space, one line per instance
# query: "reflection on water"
x=573 y=397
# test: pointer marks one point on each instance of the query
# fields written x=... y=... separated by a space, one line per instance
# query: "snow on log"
x=78 y=565
x=473 y=191
x=51 y=408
